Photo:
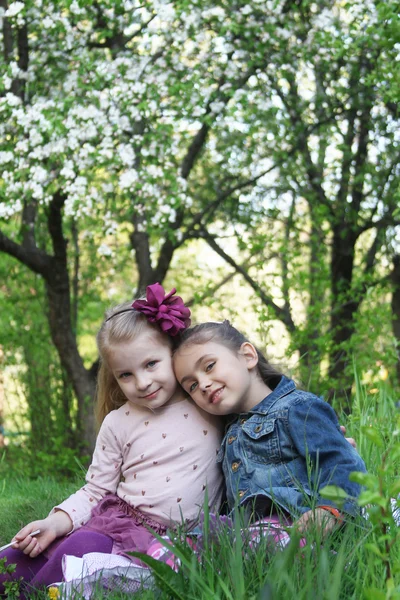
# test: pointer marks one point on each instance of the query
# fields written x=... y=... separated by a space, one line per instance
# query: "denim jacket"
x=287 y=448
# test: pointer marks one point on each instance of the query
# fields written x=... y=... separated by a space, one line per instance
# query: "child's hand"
x=351 y=441
x=320 y=518
x=54 y=526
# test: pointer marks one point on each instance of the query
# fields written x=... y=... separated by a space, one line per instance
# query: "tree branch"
x=281 y=313
x=75 y=277
x=35 y=259
x=283 y=259
x=7 y=34
x=141 y=244
x=212 y=291
x=18 y=86
x=28 y=225
x=54 y=221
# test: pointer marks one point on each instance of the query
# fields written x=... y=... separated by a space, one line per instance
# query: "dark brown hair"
x=227 y=335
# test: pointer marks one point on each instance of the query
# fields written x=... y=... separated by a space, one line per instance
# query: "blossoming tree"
x=161 y=120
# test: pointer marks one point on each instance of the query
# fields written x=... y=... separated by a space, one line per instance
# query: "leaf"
x=375 y=550
x=374 y=594
x=373 y=435
x=334 y=493
x=368 y=497
x=166 y=577
x=394 y=489
x=367 y=479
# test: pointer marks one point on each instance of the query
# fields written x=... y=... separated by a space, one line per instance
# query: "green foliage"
x=11 y=588
x=360 y=561
x=266 y=131
x=57 y=460
x=23 y=500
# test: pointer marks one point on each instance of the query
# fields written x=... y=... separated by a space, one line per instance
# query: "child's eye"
x=151 y=363
x=210 y=366
x=192 y=387
x=124 y=375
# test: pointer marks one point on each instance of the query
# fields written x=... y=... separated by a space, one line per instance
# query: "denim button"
x=242 y=493
x=235 y=466
x=231 y=439
x=243 y=421
x=258 y=428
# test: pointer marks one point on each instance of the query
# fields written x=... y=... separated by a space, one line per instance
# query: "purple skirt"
x=126 y=526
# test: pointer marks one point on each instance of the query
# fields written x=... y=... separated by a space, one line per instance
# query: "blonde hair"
x=117 y=329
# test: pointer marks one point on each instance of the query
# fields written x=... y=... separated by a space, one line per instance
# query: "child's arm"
x=103 y=475
x=314 y=431
x=54 y=526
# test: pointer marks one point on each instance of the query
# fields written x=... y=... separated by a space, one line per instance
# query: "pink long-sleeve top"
x=158 y=462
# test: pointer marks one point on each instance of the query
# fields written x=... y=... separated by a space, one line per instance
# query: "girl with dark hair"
x=282 y=444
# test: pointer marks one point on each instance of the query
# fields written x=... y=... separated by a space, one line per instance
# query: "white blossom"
x=38 y=173
x=104 y=250
x=14 y=9
x=75 y=8
x=127 y=178
x=126 y=154
x=12 y=99
x=8 y=210
x=6 y=157
x=68 y=170
x=7 y=81
x=48 y=22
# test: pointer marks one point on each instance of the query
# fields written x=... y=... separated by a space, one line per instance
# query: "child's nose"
x=142 y=382
x=205 y=384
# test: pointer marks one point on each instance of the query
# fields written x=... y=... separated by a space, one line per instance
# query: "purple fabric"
x=124 y=524
x=40 y=572
x=167 y=310
x=26 y=567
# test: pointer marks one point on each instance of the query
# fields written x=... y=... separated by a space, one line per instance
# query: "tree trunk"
x=395 y=277
x=82 y=380
x=344 y=308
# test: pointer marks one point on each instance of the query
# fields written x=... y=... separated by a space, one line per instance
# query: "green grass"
x=363 y=561
x=22 y=501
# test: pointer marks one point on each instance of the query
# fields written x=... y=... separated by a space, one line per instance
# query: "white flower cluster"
x=8 y=210
x=104 y=250
x=14 y=8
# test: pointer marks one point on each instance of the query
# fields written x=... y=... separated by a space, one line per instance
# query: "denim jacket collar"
x=284 y=387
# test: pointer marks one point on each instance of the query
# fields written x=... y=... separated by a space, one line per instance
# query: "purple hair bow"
x=167 y=310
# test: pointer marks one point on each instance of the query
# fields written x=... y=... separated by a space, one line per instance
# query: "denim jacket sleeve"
x=314 y=429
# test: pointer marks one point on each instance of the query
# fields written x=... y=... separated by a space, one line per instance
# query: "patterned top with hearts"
x=158 y=462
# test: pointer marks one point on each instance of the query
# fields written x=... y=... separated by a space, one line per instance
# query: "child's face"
x=218 y=380
x=143 y=370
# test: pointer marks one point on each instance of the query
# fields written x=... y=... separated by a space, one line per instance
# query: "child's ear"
x=249 y=352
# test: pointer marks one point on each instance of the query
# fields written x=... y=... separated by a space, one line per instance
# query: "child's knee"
x=83 y=542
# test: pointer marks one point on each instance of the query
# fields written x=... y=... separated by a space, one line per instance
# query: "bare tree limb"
x=141 y=244
x=36 y=260
x=7 y=34
x=212 y=291
x=55 y=225
x=28 y=225
x=283 y=257
x=281 y=313
x=75 y=276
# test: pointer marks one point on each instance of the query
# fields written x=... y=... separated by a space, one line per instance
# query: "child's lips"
x=215 y=397
x=151 y=395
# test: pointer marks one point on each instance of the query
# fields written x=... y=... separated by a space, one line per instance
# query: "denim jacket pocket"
x=261 y=441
